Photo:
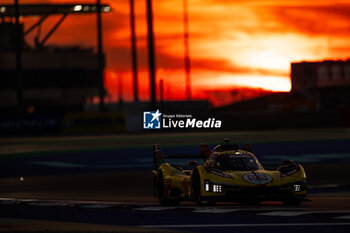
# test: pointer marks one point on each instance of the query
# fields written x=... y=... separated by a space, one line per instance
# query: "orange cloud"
x=232 y=43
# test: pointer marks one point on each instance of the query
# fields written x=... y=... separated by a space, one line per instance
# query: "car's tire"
x=197 y=192
x=196 y=187
x=292 y=201
x=154 y=185
x=160 y=192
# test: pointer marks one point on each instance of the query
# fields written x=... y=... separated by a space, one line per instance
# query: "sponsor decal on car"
x=217 y=173
x=295 y=170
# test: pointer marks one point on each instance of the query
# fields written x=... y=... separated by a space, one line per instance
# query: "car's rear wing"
x=159 y=158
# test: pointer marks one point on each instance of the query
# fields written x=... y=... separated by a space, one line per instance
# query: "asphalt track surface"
x=106 y=181
x=187 y=217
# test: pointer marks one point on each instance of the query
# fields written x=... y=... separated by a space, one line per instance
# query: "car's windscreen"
x=241 y=162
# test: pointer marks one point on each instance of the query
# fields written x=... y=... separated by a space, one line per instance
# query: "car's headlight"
x=217 y=188
x=207 y=187
x=300 y=186
x=297 y=188
x=210 y=187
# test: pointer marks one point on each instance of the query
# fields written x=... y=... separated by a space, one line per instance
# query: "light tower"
x=151 y=54
x=187 y=50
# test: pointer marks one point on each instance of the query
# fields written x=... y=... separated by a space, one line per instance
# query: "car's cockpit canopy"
x=235 y=161
x=225 y=147
x=231 y=146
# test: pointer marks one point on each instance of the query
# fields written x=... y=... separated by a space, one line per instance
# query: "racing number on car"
x=257 y=178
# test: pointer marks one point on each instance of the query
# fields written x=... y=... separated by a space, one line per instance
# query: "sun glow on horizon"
x=270 y=83
x=232 y=44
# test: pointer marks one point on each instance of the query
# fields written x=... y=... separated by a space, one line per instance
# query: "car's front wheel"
x=196 y=187
x=197 y=190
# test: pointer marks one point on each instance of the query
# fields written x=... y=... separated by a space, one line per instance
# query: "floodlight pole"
x=18 y=59
x=100 y=57
x=187 y=50
x=133 y=45
x=151 y=53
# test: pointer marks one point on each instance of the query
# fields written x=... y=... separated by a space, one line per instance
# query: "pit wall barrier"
x=63 y=123
x=29 y=124
x=93 y=122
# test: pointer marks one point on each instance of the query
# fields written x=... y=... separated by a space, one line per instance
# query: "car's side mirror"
x=288 y=167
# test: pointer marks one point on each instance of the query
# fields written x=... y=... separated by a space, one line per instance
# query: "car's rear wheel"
x=162 y=198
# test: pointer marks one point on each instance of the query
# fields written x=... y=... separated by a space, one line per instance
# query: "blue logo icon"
x=151 y=120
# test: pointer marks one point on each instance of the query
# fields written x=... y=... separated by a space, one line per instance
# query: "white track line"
x=64 y=202
x=298 y=213
x=154 y=208
x=48 y=204
x=17 y=199
x=285 y=213
x=215 y=210
x=218 y=209
x=6 y=199
x=98 y=206
x=249 y=225
x=343 y=217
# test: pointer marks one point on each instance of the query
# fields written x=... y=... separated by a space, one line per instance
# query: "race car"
x=227 y=173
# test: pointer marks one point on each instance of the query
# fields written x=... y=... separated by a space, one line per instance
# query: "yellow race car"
x=227 y=173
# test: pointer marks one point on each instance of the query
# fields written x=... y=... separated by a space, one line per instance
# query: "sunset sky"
x=233 y=43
